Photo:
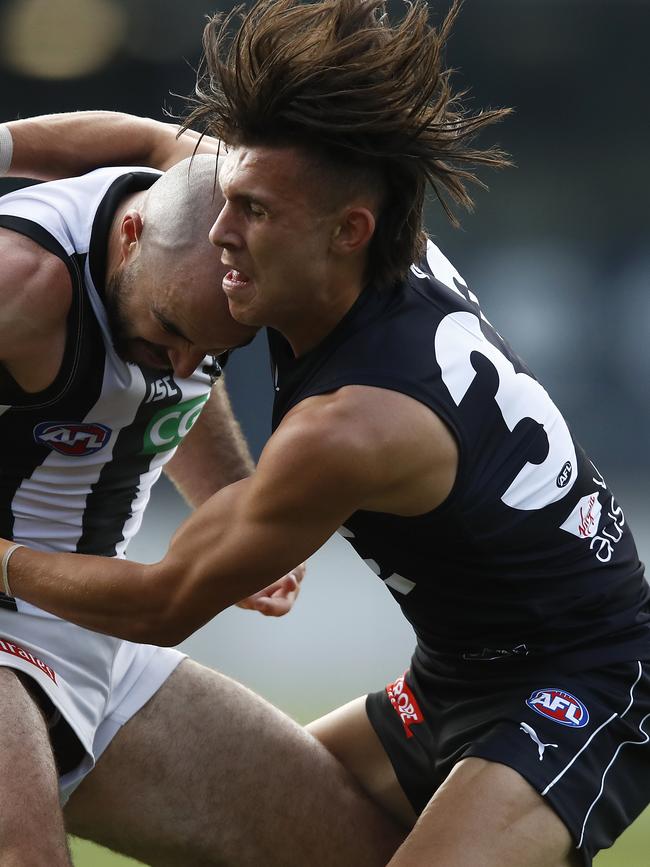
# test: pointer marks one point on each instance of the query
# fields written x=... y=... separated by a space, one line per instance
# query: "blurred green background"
x=557 y=251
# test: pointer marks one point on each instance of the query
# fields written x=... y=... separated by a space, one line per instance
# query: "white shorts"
x=95 y=681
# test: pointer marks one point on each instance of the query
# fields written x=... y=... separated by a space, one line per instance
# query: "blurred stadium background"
x=557 y=251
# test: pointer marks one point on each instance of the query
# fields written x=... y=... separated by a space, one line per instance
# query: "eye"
x=169 y=328
x=256 y=209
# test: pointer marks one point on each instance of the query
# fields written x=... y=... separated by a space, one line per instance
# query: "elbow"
x=154 y=631
x=158 y=626
x=166 y=613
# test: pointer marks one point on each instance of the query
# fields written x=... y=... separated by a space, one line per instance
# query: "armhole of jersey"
x=404 y=387
x=74 y=320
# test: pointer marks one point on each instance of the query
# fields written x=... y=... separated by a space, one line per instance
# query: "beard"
x=129 y=347
x=117 y=321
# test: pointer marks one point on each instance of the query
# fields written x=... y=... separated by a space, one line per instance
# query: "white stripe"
x=6 y=149
x=593 y=735
x=632 y=689
x=602 y=782
x=581 y=750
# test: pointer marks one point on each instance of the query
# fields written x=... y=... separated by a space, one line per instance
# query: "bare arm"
x=63 y=145
x=35 y=294
x=327 y=459
x=214 y=454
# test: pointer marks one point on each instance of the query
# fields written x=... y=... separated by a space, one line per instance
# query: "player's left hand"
x=278 y=598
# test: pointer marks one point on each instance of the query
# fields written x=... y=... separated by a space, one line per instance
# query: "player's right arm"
x=65 y=145
x=35 y=296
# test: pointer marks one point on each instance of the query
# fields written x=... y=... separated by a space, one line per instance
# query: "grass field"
x=631 y=850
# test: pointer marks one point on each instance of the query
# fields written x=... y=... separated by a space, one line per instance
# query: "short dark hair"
x=367 y=97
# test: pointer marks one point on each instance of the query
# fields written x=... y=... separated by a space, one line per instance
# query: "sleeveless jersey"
x=530 y=554
x=80 y=457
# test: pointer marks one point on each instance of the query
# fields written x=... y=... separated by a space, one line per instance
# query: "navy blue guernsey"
x=530 y=555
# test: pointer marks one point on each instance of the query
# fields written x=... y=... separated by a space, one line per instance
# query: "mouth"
x=235 y=280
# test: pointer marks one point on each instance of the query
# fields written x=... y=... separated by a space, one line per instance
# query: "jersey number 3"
x=518 y=397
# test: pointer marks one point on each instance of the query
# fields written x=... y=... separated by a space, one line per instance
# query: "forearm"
x=104 y=594
x=63 y=145
x=244 y=537
x=214 y=453
x=208 y=567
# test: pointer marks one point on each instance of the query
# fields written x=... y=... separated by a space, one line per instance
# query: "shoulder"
x=363 y=417
x=320 y=431
x=392 y=452
x=35 y=288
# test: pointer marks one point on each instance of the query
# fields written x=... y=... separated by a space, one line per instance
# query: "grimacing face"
x=275 y=239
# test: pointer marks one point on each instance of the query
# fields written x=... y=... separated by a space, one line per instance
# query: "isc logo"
x=560 y=706
x=71 y=438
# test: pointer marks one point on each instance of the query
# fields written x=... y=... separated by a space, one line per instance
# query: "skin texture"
x=240 y=791
x=158 y=315
x=300 y=268
x=268 y=203
x=31 y=826
x=64 y=145
x=485 y=814
x=190 y=321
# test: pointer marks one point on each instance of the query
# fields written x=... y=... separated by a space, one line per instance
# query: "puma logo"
x=529 y=730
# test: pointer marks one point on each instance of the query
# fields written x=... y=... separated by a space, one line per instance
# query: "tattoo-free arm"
x=64 y=145
x=246 y=535
x=214 y=453
x=360 y=448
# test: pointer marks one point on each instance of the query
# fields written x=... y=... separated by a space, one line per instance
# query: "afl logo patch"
x=564 y=476
x=71 y=438
x=560 y=706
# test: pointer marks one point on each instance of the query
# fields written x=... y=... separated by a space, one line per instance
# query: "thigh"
x=485 y=814
x=575 y=748
x=208 y=773
x=348 y=735
x=31 y=825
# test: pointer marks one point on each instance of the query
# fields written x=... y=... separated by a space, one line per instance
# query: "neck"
x=305 y=331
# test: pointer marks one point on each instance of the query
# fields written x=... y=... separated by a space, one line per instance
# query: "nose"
x=184 y=361
x=223 y=232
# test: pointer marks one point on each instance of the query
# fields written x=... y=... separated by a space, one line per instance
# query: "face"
x=171 y=322
x=275 y=239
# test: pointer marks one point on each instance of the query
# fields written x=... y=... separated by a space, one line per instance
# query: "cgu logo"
x=559 y=706
x=71 y=438
x=168 y=427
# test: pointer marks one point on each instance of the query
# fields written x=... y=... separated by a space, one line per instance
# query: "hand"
x=278 y=598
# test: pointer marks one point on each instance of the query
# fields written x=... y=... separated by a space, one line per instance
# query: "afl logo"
x=560 y=706
x=72 y=439
x=564 y=475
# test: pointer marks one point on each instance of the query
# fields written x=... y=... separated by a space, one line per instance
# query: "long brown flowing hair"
x=371 y=101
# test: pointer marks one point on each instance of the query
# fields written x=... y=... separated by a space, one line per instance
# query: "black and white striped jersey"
x=530 y=554
x=79 y=458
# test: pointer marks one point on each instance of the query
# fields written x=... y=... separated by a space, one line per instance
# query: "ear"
x=130 y=232
x=353 y=230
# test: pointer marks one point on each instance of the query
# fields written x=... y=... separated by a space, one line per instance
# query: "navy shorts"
x=580 y=739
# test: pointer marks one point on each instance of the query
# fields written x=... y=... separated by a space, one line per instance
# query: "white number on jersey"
x=518 y=396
